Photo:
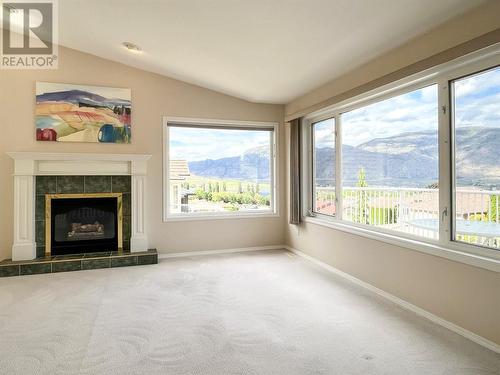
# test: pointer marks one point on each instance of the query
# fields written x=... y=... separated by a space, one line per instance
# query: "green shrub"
x=232 y=198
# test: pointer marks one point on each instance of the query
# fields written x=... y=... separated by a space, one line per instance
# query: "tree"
x=257 y=189
x=217 y=187
x=362 y=213
x=493 y=211
x=240 y=187
x=361 y=178
x=224 y=187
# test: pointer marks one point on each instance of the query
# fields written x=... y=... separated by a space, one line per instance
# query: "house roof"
x=179 y=170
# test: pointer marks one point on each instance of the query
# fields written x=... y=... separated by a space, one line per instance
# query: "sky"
x=477 y=100
x=194 y=144
x=414 y=111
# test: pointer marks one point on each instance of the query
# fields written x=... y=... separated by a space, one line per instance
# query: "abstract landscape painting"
x=77 y=113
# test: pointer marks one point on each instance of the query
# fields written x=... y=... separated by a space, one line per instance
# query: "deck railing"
x=414 y=210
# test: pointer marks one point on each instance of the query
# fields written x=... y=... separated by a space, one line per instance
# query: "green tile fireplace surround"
x=76 y=185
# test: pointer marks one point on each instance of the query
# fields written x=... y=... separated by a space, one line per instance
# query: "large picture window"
x=219 y=169
x=390 y=164
x=416 y=162
x=476 y=123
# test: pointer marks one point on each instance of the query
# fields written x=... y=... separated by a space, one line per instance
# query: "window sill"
x=205 y=217
x=489 y=263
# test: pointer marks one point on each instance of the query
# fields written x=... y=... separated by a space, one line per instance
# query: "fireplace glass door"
x=83 y=224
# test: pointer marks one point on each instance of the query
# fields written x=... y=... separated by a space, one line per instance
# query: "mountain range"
x=252 y=165
x=408 y=159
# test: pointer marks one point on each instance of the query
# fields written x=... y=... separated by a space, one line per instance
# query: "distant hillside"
x=409 y=159
x=252 y=165
x=479 y=155
x=421 y=143
x=387 y=169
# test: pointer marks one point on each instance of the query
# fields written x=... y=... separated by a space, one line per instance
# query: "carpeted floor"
x=248 y=313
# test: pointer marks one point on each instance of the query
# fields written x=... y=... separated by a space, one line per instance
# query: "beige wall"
x=462 y=294
x=153 y=96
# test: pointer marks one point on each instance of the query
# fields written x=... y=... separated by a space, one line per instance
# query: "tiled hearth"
x=87 y=261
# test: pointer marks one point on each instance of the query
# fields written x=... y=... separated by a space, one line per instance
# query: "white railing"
x=416 y=211
x=213 y=207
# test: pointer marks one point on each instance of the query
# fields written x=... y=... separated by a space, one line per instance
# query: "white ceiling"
x=261 y=50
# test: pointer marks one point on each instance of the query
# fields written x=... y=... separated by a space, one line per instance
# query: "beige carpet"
x=249 y=313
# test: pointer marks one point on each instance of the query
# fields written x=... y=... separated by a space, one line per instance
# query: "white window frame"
x=441 y=75
x=201 y=122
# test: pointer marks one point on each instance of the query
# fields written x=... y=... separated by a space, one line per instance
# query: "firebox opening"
x=83 y=223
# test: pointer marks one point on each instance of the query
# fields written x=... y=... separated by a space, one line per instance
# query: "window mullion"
x=445 y=157
x=338 y=167
x=312 y=143
x=272 y=168
x=166 y=172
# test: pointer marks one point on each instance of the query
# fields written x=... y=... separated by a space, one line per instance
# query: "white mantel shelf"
x=28 y=165
x=76 y=156
x=48 y=163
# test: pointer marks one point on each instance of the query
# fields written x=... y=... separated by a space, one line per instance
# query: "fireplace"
x=56 y=169
x=83 y=223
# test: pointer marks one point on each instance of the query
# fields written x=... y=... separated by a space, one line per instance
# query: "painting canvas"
x=77 y=113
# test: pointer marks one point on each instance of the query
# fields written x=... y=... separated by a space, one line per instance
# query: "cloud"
x=477 y=100
x=324 y=133
x=477 y=103
x=477 y=85
x=200 y=143
x=411 y=112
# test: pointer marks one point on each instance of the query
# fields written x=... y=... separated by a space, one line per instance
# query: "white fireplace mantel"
x=27 y=165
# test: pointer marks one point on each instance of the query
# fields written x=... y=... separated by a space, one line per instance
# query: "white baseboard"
x=221 y=251
x=402 y=303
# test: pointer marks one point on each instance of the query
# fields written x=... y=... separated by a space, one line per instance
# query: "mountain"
x=411 y=169
x=408 y=159
x=251 y=165
x=478 y=155
x=421 y=143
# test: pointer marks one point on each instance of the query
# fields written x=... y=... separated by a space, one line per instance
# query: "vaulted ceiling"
x=261 y=50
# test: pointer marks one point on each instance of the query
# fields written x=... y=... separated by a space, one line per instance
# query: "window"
x=324 y=167
x=476 y=124
x=416 y=162
x=390 y=164
x=219 y=168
